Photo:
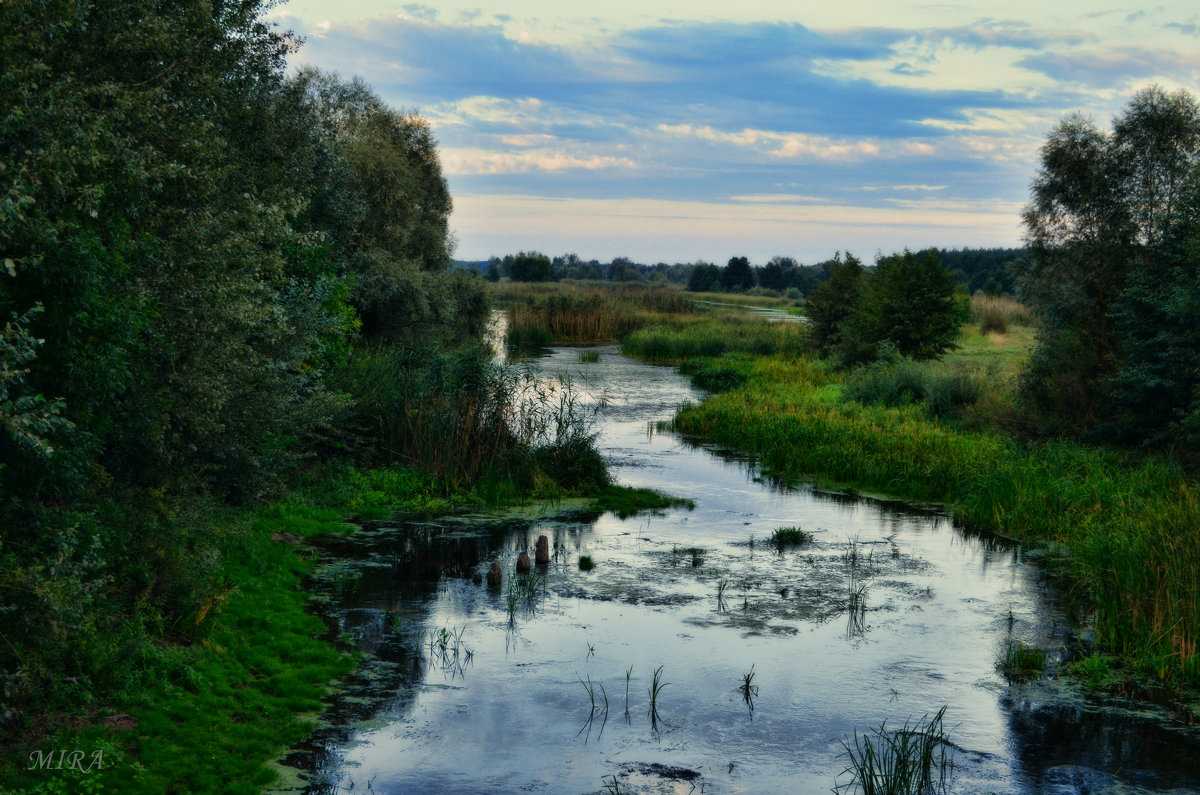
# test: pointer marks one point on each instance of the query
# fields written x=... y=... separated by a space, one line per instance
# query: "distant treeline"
x=988 y=270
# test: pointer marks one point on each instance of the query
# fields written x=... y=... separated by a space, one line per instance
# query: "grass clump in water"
x=912 y=760
x=784 y=537
x=656 y=687
x=586 y=563
x=589 y=357
x=625 y=501
x=1019 y=662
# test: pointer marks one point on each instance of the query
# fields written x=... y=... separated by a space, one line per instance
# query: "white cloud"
x=780 y=145
x=463 y=162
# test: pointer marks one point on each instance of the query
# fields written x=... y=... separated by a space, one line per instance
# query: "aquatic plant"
x=656 y=687
x=586 y=563
x=589 y=356
x=790 y=537
x=611 y=785
x=522 y=589
x=628 y=674
x=1019 y=662
x=912 y=760
x=722 y=587
x=748 y=689
x=856 y=602
x=448 y=651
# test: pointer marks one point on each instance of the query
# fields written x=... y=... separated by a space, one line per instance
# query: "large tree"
x=1103 y=205
x=908 y=303
x=831 y=305
x=737 y=274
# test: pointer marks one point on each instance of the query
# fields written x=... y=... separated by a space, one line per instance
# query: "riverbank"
x=254 y=685
x=1125 y=532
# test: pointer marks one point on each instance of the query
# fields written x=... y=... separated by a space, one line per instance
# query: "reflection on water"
x=766 y=659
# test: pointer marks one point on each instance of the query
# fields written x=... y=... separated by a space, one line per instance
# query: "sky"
x=670 y=131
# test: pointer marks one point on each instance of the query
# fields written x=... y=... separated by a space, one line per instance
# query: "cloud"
x=466 y=162
x=1112 y=67
x=773 y=75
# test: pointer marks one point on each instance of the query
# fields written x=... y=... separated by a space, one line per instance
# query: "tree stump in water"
x=542 y=556
x=495 y=575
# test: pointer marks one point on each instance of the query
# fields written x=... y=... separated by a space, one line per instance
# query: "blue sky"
x=677 y=131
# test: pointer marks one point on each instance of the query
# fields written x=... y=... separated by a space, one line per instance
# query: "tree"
x=704 y=278
x=908 y=302
x=832 y=304
x=530 y=266
x=1102 y=206
x=1156 y=387
x=773 y=275
x=737 y=274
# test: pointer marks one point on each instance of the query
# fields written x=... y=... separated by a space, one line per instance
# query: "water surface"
x=888 y=615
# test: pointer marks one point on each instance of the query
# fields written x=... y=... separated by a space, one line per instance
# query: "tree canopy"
x=1108 y=229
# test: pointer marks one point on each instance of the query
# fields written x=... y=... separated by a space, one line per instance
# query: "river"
x=889 y=614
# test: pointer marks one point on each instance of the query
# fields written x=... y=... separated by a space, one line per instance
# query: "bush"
x=942 y=390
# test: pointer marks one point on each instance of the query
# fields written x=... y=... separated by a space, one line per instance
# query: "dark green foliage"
x=530 y=267
x=1156 y=389
x=210 y=273
x=909 y=304
x=832 y=304
x=713 y=375
x=773 y=275
x=1102 y=229
x=737 y=275
x=705 y=278
x=901 y=381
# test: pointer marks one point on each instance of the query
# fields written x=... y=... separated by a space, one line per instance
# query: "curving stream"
x=888 y=614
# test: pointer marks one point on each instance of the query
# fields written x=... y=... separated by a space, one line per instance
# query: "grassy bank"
x=1128 y=533
x=232 y=702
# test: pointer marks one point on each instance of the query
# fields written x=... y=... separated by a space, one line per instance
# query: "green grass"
x=1019 y=662
x=249 y=689
x=625 y=501
x=713 y=335
x=784 y=537
x=1132 y=527
x=586 y=563
x=911 y=760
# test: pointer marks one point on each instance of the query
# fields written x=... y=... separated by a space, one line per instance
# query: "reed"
x=748 y=689
x=572 y=315
x=656 y=687
x=1019 y=662
x=996 y=314
x=912 y=760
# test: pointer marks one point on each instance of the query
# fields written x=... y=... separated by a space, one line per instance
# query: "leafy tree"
x=909 y=303
x=704 y=278
x=1156 y=388
x=737 y=274
x=1102 y=207
x=623 y=269
x=773 y=275
x=530 y=267
x=833 y=303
